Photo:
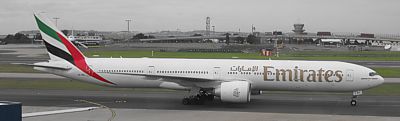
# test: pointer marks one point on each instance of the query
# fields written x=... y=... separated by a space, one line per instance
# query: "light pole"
x=253 y=29
x=56 y=20
x=128 y=21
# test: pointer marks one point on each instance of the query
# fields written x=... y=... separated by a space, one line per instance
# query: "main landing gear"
x=353 y=101
x=198 y=99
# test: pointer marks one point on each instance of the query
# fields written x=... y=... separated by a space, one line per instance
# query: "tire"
x=186 y=101
x=200 y=101
x=353 y=102
x=210 y=97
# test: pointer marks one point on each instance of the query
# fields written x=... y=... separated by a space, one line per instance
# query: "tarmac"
x=142 y=106
x=190 y=115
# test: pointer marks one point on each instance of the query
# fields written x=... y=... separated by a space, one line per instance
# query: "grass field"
x=10 y=68
x=65 y=84
x=385 y=89
x=315 y=55
x=388 y=72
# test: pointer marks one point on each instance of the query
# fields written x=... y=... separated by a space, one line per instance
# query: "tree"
x=17 y=38
x=197 y=35
x=139 y=36
x=240 y=40
x=151 y=37
x=9 y=37
x=227 y=38
x=251 y=39
x=92 y=33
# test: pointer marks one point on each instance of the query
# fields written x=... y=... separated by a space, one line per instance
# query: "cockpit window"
x=373 y=73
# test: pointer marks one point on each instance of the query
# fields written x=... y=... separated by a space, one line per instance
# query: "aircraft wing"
x=186 y=81
x=168 y=77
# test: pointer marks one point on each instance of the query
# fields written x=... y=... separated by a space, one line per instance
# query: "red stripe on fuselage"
x=80 y=61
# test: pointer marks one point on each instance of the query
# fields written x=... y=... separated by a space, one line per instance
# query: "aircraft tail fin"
x=60 y=48
x=57 y=44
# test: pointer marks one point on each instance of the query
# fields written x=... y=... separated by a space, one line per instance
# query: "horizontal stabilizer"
x=46 y=65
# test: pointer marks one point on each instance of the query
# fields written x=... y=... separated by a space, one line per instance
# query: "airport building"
x=87 y=40
x=298 y=37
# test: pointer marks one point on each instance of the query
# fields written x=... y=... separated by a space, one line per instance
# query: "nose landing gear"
x=353 y=101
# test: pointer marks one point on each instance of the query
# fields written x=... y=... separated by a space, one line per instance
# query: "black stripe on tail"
x=59 y=53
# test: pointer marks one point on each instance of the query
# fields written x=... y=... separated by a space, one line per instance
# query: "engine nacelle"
x=235 y=91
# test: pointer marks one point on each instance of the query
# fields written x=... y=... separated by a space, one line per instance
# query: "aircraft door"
x=151 y=70
x=216 y=72
x=349 y=75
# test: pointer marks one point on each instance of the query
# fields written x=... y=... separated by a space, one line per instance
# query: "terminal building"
x=87 y=40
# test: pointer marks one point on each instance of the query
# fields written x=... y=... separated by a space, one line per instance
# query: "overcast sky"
x=374 y=16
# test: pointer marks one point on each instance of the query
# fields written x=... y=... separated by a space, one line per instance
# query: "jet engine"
x=256 y=92
x=235 y=91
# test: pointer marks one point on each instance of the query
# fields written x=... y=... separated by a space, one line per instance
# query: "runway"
x=331 y=104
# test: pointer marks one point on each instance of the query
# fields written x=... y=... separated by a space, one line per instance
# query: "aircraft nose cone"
x=381 y=80
x=378 y=81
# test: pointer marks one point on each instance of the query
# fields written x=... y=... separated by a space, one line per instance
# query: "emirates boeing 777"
x=232 y=80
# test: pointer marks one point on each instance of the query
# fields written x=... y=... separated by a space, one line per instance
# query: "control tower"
x=299 y=29
x=208 y=26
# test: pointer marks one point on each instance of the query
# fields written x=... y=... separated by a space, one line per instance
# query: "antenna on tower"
x=72 y=31
x=208 y=26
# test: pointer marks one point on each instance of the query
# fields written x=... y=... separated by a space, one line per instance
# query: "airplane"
x=231 y=80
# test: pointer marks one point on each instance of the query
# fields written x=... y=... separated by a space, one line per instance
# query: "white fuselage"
x=262 y=74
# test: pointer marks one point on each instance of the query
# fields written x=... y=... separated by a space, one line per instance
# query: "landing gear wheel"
x=210 y=97
x=193 y=100
x=202 y=101
x=353 y=102
x=186 y=101
x=197 y=99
